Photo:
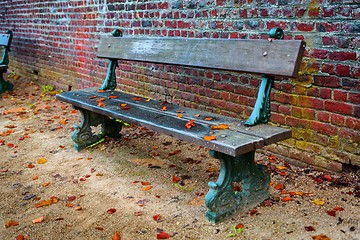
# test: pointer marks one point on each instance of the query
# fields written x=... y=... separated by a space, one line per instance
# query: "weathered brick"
x=327 y=81
x=342 y=56
x=338 y=107
x=323 y=128
x=337 y=119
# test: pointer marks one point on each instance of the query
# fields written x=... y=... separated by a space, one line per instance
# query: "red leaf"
x=71 y=198
x=175 y=179
x=286 y=199
x=99 y=228
x=156 y=217
x=331 y=213
x=20 y=237
x=190 y=124
x=337 y=208
x=163 y=235
x=111 y=210
x=174 y=152
x=240 y=225
x=309 y=228
x=30 y=165
x=253 y=212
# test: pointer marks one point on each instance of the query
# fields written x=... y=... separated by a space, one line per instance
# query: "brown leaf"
x=20 y=237
x=116 y=236
x=145 y=183
x=279 y=186
x=174 y=152
x=309 y=228
x=15 y=110
x=331 y=213
x=147 y=188
x=320 y=237
x=11 y=223
x=99 y=228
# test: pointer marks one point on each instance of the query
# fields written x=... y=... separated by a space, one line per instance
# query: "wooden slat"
x=237 y=140
x=4 y=39
x=278 y=57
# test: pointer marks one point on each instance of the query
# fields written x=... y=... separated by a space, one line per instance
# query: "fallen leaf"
x=147 y=188
x=99 y=228
x=20 y=237
x=100 y=99
x=111 y=210
x=219 y=127
x=156 y=217
x=280 y=168
x=112 y=97
x=116 y=236
x=163 y=235
x=69 y=204
x=38 y=220
x=240 y=225
x=137 y=99
x=197 y=115
x=309 y=228
x=47 y=202
x=71 y=198
x=175 y=179
x=279 y=187
x=211 y=169
x=145 y=183
x=318 y=202
x=253 y=212
x=190 y=124
x=15 y=110
x=101 y=104
x=77 y=208
x=337 y=208
x=209 y=138
x=11 y=223
x=320 y=237
x=174 y=152
x=138 y=213
x=179 y=115
x=42 y=160
x=45 y=184
x=286 y=199
x=93 y=97
x=10 y=126
x=163 y=108
x=100 y=90
x=30 y=165
x=331 y=213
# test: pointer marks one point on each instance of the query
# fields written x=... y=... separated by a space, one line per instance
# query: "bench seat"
x=149 y=115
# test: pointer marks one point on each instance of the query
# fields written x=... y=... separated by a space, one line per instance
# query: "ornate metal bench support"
x=222 y=200
x=261 y=112
x=83 y=135
x=5 y=85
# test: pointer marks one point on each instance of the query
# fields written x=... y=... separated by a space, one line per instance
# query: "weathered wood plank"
x=149 y=115
x=278 y=57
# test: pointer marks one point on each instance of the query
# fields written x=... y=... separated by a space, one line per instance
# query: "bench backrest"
x=5 y=42
x=270 y=57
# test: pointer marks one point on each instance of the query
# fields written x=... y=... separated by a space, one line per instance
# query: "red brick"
x=343 y=70
x=323 y=116
x=340 y=95
x=285 y=109
x=342 y=56
x=353 y=123
x=337 y=119
x=355 y=72
x=277 y=118
x=326 y=40
x=328 y=27
x=327 y=81
x=328 y=68
x=319 y=53
x=305 y=27
x=338 y=107
x=308 y=113
x=323 y=128
x=311 y=102
x=354 y=97
x=296 y=122
x=328 y=12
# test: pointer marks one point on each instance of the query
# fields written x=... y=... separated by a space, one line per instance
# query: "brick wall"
x=55 y=43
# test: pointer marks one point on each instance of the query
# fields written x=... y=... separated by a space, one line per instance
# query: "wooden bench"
x=5 y=42
x=231 y=140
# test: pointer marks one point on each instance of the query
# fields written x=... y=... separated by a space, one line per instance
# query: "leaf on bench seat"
x=209 y=138
x=163 y=108
x=112 y=97
x=137 y=99
x=220 y=127
x=190 y=124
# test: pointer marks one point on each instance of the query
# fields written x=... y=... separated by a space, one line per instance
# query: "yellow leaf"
x=116 y=236
x=280 y=168
x=147 y=188
x=318 y=202
x=41 y=160
x=179 y=115
x=220 y=127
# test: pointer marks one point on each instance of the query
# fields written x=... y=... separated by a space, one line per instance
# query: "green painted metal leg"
x=83 y=135
x=222 y=200
x=110 y=78
x=261 y=111
x=5 y=85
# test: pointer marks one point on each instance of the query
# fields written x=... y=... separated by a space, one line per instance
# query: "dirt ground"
x=128 y=185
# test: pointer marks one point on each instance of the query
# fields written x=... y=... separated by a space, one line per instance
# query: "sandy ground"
x=97 y=192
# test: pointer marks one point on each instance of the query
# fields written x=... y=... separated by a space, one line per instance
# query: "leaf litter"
x=303 y=185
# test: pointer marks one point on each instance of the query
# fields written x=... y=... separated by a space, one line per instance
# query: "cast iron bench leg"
x=83 y=135
x=5 y=85
x=222 y=200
